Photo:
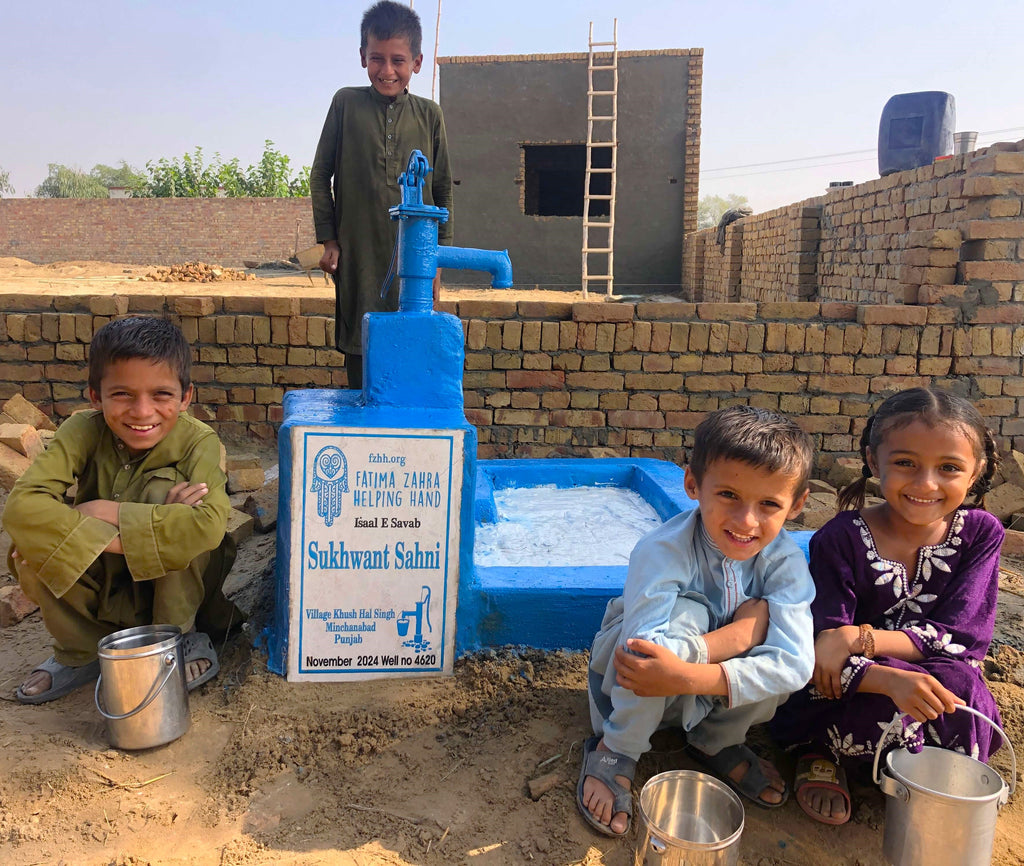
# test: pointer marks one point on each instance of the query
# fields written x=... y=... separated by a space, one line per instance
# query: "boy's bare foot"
x=201 y=663
x=755 y=778
x=51 y=680
x=600 y=800
x=195 y=669
x=37 y=683
x=604 y=792
x=775 y=793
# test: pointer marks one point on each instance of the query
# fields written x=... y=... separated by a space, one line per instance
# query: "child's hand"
x=106 y=510
x=753 y=614
x=920 y=694
x=329 y=260
x=653 y=672
x=832 y=647
x=186 y=494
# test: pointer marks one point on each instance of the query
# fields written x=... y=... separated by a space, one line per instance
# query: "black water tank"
x=915 y=128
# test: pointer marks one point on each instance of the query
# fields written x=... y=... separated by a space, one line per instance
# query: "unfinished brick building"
x=517 y=130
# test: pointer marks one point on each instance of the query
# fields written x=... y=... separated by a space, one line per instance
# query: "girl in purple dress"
x=906 y=601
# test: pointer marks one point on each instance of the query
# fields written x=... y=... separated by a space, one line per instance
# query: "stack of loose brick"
x=255 y=491
x=195 y=272
x=24 y=432
x=1006 y=500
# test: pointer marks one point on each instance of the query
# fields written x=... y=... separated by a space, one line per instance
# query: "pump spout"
x=495 y=262
x=418 y=254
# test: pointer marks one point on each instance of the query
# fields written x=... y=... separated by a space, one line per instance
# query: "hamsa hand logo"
x=330 y=480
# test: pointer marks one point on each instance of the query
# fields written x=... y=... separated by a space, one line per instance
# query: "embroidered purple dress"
x=947 y=607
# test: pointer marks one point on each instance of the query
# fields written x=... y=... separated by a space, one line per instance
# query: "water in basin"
x=547 y=525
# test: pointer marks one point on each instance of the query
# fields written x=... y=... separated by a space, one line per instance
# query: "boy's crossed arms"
x=649 y=669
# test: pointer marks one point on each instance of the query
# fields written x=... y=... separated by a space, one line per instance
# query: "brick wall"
x=945 y=243
x=779 y=256
x=587 y=379
x=773 y=256
x=864 y=230
x=225 y=231
x=857 y=244
x=720 y=265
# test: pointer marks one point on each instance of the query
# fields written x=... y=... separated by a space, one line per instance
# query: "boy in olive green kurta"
x=365 y=145
x=144 y=541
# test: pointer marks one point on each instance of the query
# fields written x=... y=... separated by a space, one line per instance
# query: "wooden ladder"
x=601 y=141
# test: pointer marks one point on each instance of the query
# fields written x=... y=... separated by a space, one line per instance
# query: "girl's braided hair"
x=935 y=408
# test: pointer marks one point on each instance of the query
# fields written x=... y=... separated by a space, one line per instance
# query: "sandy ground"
x=18 y=276
x=382 y=773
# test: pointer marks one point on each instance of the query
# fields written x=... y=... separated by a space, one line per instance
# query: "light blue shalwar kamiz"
x=680 y=587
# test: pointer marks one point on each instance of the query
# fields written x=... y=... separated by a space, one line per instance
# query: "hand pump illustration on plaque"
x=421 y=612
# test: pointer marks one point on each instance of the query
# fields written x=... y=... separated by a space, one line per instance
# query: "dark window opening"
x=555 y=175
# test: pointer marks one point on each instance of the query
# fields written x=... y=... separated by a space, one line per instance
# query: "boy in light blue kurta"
x=713 y=629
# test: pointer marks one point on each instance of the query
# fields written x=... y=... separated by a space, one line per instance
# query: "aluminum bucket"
x=141 y=689
x=689 y=819
x=942 y=805
x=964 y=142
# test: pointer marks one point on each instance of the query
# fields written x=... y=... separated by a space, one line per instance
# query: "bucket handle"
x=877 y=778
x=170 y=660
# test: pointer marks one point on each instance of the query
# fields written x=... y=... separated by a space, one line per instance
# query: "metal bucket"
x=141 y=689
x=942 y=805
x=964 y=142
x=689 y=819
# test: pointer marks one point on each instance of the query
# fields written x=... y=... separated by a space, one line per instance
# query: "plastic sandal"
x=605 y=766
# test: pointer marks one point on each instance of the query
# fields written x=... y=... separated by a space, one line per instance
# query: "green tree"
x=711 y=207
x=188 y=177
x=268 y=179
x=125 y=176
x=6 y=187
x=299 y=186
x=65 y=182
x=232 y=179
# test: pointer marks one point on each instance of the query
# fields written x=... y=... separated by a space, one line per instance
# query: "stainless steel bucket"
x=141 y=689
x=689 y=819
x=942 y=805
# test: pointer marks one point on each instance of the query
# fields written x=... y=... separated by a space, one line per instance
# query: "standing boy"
x=713 y=630
x=364 y=146
x=144 y=541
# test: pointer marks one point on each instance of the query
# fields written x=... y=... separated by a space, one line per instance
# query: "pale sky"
x=793 y=91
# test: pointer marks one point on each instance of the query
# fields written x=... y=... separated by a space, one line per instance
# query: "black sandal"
x=754 y=781
x=604 y=766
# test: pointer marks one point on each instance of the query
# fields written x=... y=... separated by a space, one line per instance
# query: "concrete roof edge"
x=577 y=55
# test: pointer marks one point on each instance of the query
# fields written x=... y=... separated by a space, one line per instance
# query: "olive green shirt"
x=364 y=148
x=61 y=544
